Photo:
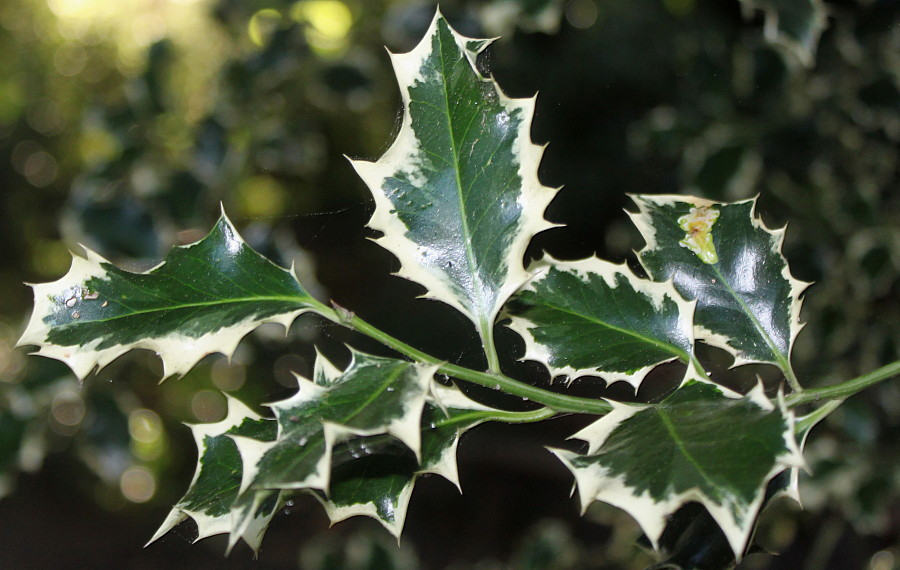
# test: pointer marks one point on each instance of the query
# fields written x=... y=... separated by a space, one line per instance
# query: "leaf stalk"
x=844 y=389
x=490 y=379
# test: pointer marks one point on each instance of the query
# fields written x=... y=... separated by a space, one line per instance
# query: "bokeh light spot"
x=581 y=14
x=138 y=484
x=208 y=406
x=327 y=23
x=67 y=410
x=261 y=196
x=227 y=377
x=262 y=25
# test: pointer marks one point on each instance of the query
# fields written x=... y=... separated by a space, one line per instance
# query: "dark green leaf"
x=457 y=196
x=699 y=444
x=202 y=299
x=724 y=257
x=217 y=479
x=595 y=317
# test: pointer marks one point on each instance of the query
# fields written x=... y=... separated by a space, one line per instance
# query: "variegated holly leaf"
x=596 y=317
x=217 y=479
x=202 y=298
x=795 y=25
x=372 y=396
x=457 y=196
x=724 y=257
x=700 y=444
x=379 y=483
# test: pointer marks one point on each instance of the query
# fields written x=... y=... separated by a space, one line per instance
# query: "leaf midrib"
x=679 y=443
x=319 y=435
x=779 y=358
x=678 y=352
x=300 y=301
x=467 y=242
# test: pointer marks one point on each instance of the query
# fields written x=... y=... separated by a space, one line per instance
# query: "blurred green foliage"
x=124 y=125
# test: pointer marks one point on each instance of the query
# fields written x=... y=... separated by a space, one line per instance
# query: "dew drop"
x=76 y=315
x=496 y=386
x=105 y=303
x=70 y=302
x=390 y=388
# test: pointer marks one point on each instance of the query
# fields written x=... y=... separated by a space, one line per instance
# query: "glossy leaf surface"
x=202 y=298
x=457 y=195
x=372 y=396
x=378 y=480
x=217 y=479
x=747 y=301
x=595 y=317
x=699 y=444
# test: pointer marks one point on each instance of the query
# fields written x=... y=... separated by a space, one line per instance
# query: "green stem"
x=500 y=416
x=490 y=350
x=495 y=380
x=698 y=367
x=844 y=389
x=806 y=422
x=791 y=377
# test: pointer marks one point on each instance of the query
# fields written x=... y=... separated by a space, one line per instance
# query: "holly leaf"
x=380 y=481
x=372 y=396
x=794 y=25
x=457 y=196
x=700 y=444
x=203 y=298
x=596 y=317
x=217 y=479
x=723 y=256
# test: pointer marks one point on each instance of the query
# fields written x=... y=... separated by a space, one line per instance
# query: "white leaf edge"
x=656 y=291
x=443 y=397
x=403 y=156
x=451 y=397
x=405 y=428
x=337 y=513
x=179 y=353
x=641 y=220
x=208 y=525
x=594 y=485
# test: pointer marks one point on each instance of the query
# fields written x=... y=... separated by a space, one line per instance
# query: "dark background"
x=124 y=125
